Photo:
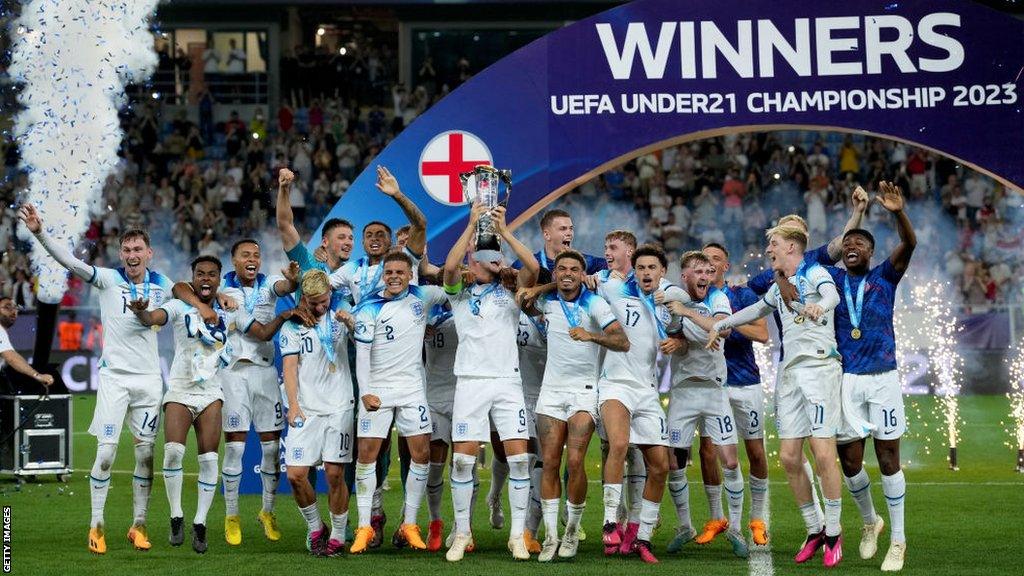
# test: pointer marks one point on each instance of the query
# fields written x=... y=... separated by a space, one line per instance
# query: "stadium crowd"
x=199 y=186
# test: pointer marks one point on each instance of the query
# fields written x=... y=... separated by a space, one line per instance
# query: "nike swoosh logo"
x=207 y=489
x=520 y=431
x=519 y=487
x=889 y=431
x=387 y=320
x=425 y=426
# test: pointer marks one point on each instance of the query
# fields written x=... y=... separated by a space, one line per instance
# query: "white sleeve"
x=601 y=312
x=339 y=278
x=829 y=296
x=757 y=310
x=676 y=294
x=64 y=257
x=363 y=365
x=433 y=296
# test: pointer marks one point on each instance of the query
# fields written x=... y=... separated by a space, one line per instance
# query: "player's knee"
x=105 y=454
x=792 y=460
x=335 y=475
x=298 y=475
x=657 y=469
x=617 y=448
x=575 y=460
x=888 y=458
x=144 y=459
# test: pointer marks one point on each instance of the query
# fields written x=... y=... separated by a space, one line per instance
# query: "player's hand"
x=138 y=305
x=387 y=183
x=207 y=314
x=300 y=315
x=476 y=212
x=371 y=402
x=320 y=254
x=292 y=272
x=617 y=275
x=813 y=312
x=285 y=178
x=713 y=338
x=347 y=319
x=527 y=297
x=468 y=279
x=30 y=217
x=44 y=379
x=674 y=346
x=860 y=199
x=787 y=290
x=498 y=217
x=226 y=302
x=678 y=309
x=429 y=333
x=295 y=413
x=509 y=278
x=659 y=296
x=890 y=197
x=591 y=282
x=580 y=335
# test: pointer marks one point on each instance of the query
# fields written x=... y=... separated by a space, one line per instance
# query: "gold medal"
x=231 y=326
x=855 y=333
x=331 y=367
x=155 y=328
x=799 y=320
x=218 y=345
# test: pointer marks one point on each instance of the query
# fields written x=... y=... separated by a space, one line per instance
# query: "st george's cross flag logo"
x=444 y=158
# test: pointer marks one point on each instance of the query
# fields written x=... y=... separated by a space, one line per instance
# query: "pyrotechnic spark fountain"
x=1016 y=396
x=73 y=61
x=763 y=356
x=941 y=329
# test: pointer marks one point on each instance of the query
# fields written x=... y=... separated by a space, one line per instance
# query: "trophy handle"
x=503 y=175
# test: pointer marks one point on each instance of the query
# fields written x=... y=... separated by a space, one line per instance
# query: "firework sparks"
x=763 y=356
x=1016 y=396
x=946 y=363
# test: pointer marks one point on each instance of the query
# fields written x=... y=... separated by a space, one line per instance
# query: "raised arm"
x=452 y=275
x=290 y=281
x=265 y=332
x=531 y=268
x=186 y=293
x=860 y=206
x=30 y=217
x=388 y=184
x=285 y=218
x=891 y=198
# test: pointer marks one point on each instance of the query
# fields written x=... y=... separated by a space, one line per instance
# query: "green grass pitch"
x=960 y=522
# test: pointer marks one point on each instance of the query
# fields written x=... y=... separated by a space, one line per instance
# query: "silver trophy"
x=482 y=185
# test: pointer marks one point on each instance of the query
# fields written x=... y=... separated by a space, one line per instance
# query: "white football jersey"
x=322 y=391
x=486 y=317
x=700 y=365
x=533 y=352
x=128 y=346
x=441 y=347
x=363 y=279
x=638 y=366
x=394 y=327
x=256 y=303
x=573 y=365
x=200 y=349
x=805 y=340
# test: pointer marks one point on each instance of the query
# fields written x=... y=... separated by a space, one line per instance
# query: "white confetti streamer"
x=74 y=59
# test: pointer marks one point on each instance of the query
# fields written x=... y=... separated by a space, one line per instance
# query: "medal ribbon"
x=364 y=268
x=325 y=332
x=476 y=299
x=571 y=316
x=856 y=307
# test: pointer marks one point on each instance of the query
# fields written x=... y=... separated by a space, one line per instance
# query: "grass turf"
x=957 y=522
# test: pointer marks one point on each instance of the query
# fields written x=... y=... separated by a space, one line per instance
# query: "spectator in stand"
x=849 y=158
x=733 y=191
x=236 y=62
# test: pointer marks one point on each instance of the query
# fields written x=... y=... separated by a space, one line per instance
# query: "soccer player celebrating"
x=557 y=228
x=807 y=398
x=252 y=395
x=336 y=238
x=872 y=400
x=631 y=412
x=318 y=384
x=746 y=397
x=442 y=341
x=698 y=397
x=488 y=381
x=129 y=376
x=364 y=277
x=579 y=323
x=194 y=395
x=389 y=341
